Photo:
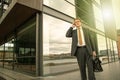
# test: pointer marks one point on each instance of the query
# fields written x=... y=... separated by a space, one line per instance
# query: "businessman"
x=83 y=48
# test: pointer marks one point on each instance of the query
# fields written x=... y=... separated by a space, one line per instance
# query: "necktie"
x=79 y=37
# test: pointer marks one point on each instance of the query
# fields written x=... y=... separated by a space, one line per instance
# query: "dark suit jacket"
x=88 y=40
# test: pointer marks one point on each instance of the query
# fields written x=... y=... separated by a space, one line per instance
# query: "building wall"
x=56 y=47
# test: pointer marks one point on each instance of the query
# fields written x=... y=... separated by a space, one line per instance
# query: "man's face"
x=77 y=23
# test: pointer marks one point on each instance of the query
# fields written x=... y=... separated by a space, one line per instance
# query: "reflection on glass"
x=102 y=49
x=115 y=50
x=21 y=51
x=110 y=50
x=62 y=6
x=116 y=11
x=4 y=5
x=8 y=59
x=56 y=47
x=6 y=54
x=98 y=1
x=26 y=47
x=1 y=54
x=98 y=18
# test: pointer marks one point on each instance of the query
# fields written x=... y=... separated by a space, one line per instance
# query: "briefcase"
x=97 y=65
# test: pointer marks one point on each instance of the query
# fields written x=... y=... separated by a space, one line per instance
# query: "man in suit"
x=83 y=48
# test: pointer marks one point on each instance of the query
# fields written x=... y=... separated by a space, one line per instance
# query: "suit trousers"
x=83 y=58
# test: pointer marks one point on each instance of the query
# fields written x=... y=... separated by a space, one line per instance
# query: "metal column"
x=39 y=44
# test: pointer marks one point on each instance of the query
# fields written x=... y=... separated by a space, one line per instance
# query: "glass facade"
x=56 y=52
x=56 y=47
x=19 y=53
x=107 y=48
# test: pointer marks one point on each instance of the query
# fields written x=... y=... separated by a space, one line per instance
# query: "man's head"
x=77 y=22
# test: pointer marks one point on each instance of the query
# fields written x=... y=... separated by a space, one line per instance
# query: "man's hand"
x=73 y=26
x=94 y=54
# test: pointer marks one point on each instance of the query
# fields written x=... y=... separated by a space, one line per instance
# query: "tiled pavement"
x=111 y=72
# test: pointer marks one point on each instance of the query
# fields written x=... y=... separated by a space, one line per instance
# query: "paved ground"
x=111 y=72
x=1 y=78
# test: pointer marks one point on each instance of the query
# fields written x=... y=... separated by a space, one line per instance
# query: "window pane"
x=1 y=54
x=56 y=47
x=116 y=11
x=110 y=50
x=9 y=49
x=98 y=18
x=102 y=50
x=61 y=5
x=98 y=1
x=115 y=50
x=26 y=47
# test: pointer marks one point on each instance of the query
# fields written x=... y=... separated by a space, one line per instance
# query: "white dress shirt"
x=82 y=35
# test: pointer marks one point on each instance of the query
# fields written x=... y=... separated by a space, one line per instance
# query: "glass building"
x=32 y=34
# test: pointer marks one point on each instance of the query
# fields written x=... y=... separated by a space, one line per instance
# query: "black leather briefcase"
x=97 y=65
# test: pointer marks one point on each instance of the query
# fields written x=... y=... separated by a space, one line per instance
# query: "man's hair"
x=77 y=19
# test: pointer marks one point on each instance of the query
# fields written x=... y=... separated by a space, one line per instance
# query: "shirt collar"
x=76 y=28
